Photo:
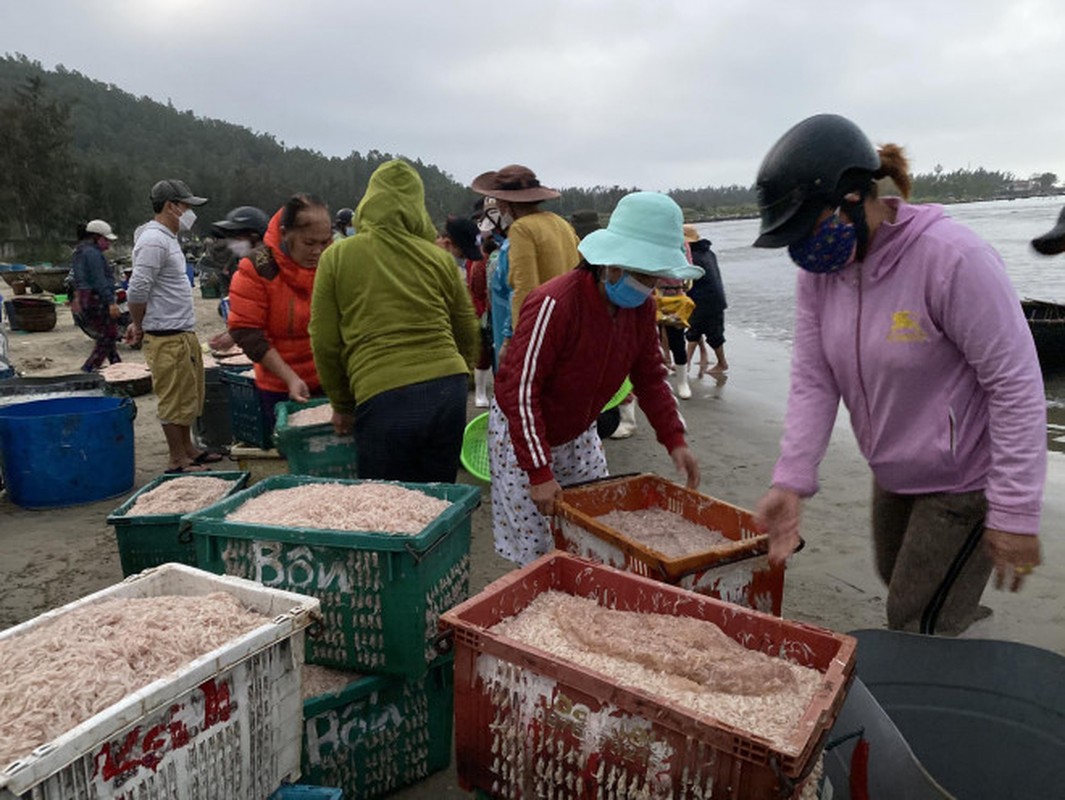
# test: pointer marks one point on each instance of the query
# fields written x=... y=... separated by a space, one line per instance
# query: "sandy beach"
x=53 y=557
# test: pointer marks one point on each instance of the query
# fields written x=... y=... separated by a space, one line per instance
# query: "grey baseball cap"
x=176 y=191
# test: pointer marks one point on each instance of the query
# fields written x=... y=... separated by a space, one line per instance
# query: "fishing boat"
x=1047 y=323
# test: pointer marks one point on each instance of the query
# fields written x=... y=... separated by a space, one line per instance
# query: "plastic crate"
x=380 y=733
x=148 y=540
x=738 y=573
x=313 y=449
x=226 y=722
x=381 y=593
x=245 y=409
x=301 y=791
x=523 y=716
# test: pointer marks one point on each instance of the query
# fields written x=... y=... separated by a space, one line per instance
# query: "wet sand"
x=53 y=557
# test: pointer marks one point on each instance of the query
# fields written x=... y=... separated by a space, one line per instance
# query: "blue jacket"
x=499 y=293
x=93 y=272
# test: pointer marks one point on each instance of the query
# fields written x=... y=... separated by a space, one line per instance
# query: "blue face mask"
x=349 y=231
x=627 y=292
x=829 y=248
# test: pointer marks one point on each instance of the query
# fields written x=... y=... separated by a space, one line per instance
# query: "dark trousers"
x=413 y=433
x=930 y=553
x=94 y=319
x=675 y=337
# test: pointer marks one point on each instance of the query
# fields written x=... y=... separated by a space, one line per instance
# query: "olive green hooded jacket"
x=389 y=308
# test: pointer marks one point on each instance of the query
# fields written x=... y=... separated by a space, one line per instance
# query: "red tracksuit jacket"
x=567 y=359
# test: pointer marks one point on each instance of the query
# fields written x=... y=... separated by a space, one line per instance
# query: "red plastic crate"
x=739 y=573
x=526 y=721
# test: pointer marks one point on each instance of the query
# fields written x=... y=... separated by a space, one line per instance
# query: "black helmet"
x=343 y=218
x=803 y=173
x=243 y=219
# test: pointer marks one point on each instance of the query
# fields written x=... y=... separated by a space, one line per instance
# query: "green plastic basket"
x=313 y=449
x=148 y=540
x=379 y=733
x=381 y=593
x=474 y=453
x=619 y=395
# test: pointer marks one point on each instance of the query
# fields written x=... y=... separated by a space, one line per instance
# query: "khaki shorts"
x=176 y=363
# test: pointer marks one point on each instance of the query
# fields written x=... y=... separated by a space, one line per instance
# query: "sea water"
x=760 y=284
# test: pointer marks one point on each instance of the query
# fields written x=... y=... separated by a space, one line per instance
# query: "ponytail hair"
x=893 y=164
x=296 y=205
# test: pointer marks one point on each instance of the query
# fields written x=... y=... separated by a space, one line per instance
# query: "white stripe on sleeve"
x=528 y=370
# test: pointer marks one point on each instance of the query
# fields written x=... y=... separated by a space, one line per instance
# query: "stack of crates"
x=245 y=410
x=313 y=449
x=382 y=595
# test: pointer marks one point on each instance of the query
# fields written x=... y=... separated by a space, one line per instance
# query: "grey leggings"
x=930 y=553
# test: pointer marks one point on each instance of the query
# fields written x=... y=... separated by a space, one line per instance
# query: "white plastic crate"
x=226 y=725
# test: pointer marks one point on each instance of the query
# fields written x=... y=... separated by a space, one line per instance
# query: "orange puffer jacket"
x=272 y=293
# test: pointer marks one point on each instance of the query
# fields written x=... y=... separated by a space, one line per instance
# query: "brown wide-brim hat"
x=513 y=183
x=1053 y=241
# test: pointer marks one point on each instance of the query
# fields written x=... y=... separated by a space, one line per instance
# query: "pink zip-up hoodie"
x=927 y=346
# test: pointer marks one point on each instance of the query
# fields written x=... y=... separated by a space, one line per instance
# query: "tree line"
x=72 y=148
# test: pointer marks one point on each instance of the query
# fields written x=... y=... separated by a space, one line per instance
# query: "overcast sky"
x=658 y=94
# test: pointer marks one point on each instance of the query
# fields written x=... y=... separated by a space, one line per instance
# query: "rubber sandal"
x=189 y=470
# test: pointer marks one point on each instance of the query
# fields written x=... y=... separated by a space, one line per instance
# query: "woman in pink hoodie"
x=909 y=318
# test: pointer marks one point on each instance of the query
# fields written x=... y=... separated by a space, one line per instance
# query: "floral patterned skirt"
x=522 y=534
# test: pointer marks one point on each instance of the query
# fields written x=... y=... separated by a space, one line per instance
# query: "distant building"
x=1024 y=188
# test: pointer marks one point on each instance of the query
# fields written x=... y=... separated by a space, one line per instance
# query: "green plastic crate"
x=313 y=449
x=302 y=791
x=148 y=540
x=381 y=593
x=245 y=409
x=380 y=733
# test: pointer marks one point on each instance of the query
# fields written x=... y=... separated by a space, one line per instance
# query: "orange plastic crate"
x=526 y=720
x=739 y=573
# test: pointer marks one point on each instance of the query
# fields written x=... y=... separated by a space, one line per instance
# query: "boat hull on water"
x=1047 y=323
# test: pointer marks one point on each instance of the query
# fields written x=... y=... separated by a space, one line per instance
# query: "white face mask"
x=505 y=221
x=239 y=247
x=187 y=220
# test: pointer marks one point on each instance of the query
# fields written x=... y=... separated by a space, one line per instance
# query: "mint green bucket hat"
x=645 y=234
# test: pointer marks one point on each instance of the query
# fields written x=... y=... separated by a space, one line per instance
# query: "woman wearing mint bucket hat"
x=578 y=337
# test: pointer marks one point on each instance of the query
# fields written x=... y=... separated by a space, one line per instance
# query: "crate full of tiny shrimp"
x=647 y=525
x=574 y=679
x=304 y=435
x=384 y=558
x=173 y=683
x=149 y=527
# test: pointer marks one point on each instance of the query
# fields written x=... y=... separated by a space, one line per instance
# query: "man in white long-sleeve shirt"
x=160 y=304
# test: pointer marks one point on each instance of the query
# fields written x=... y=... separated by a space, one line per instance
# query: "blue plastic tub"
x=66 y=451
